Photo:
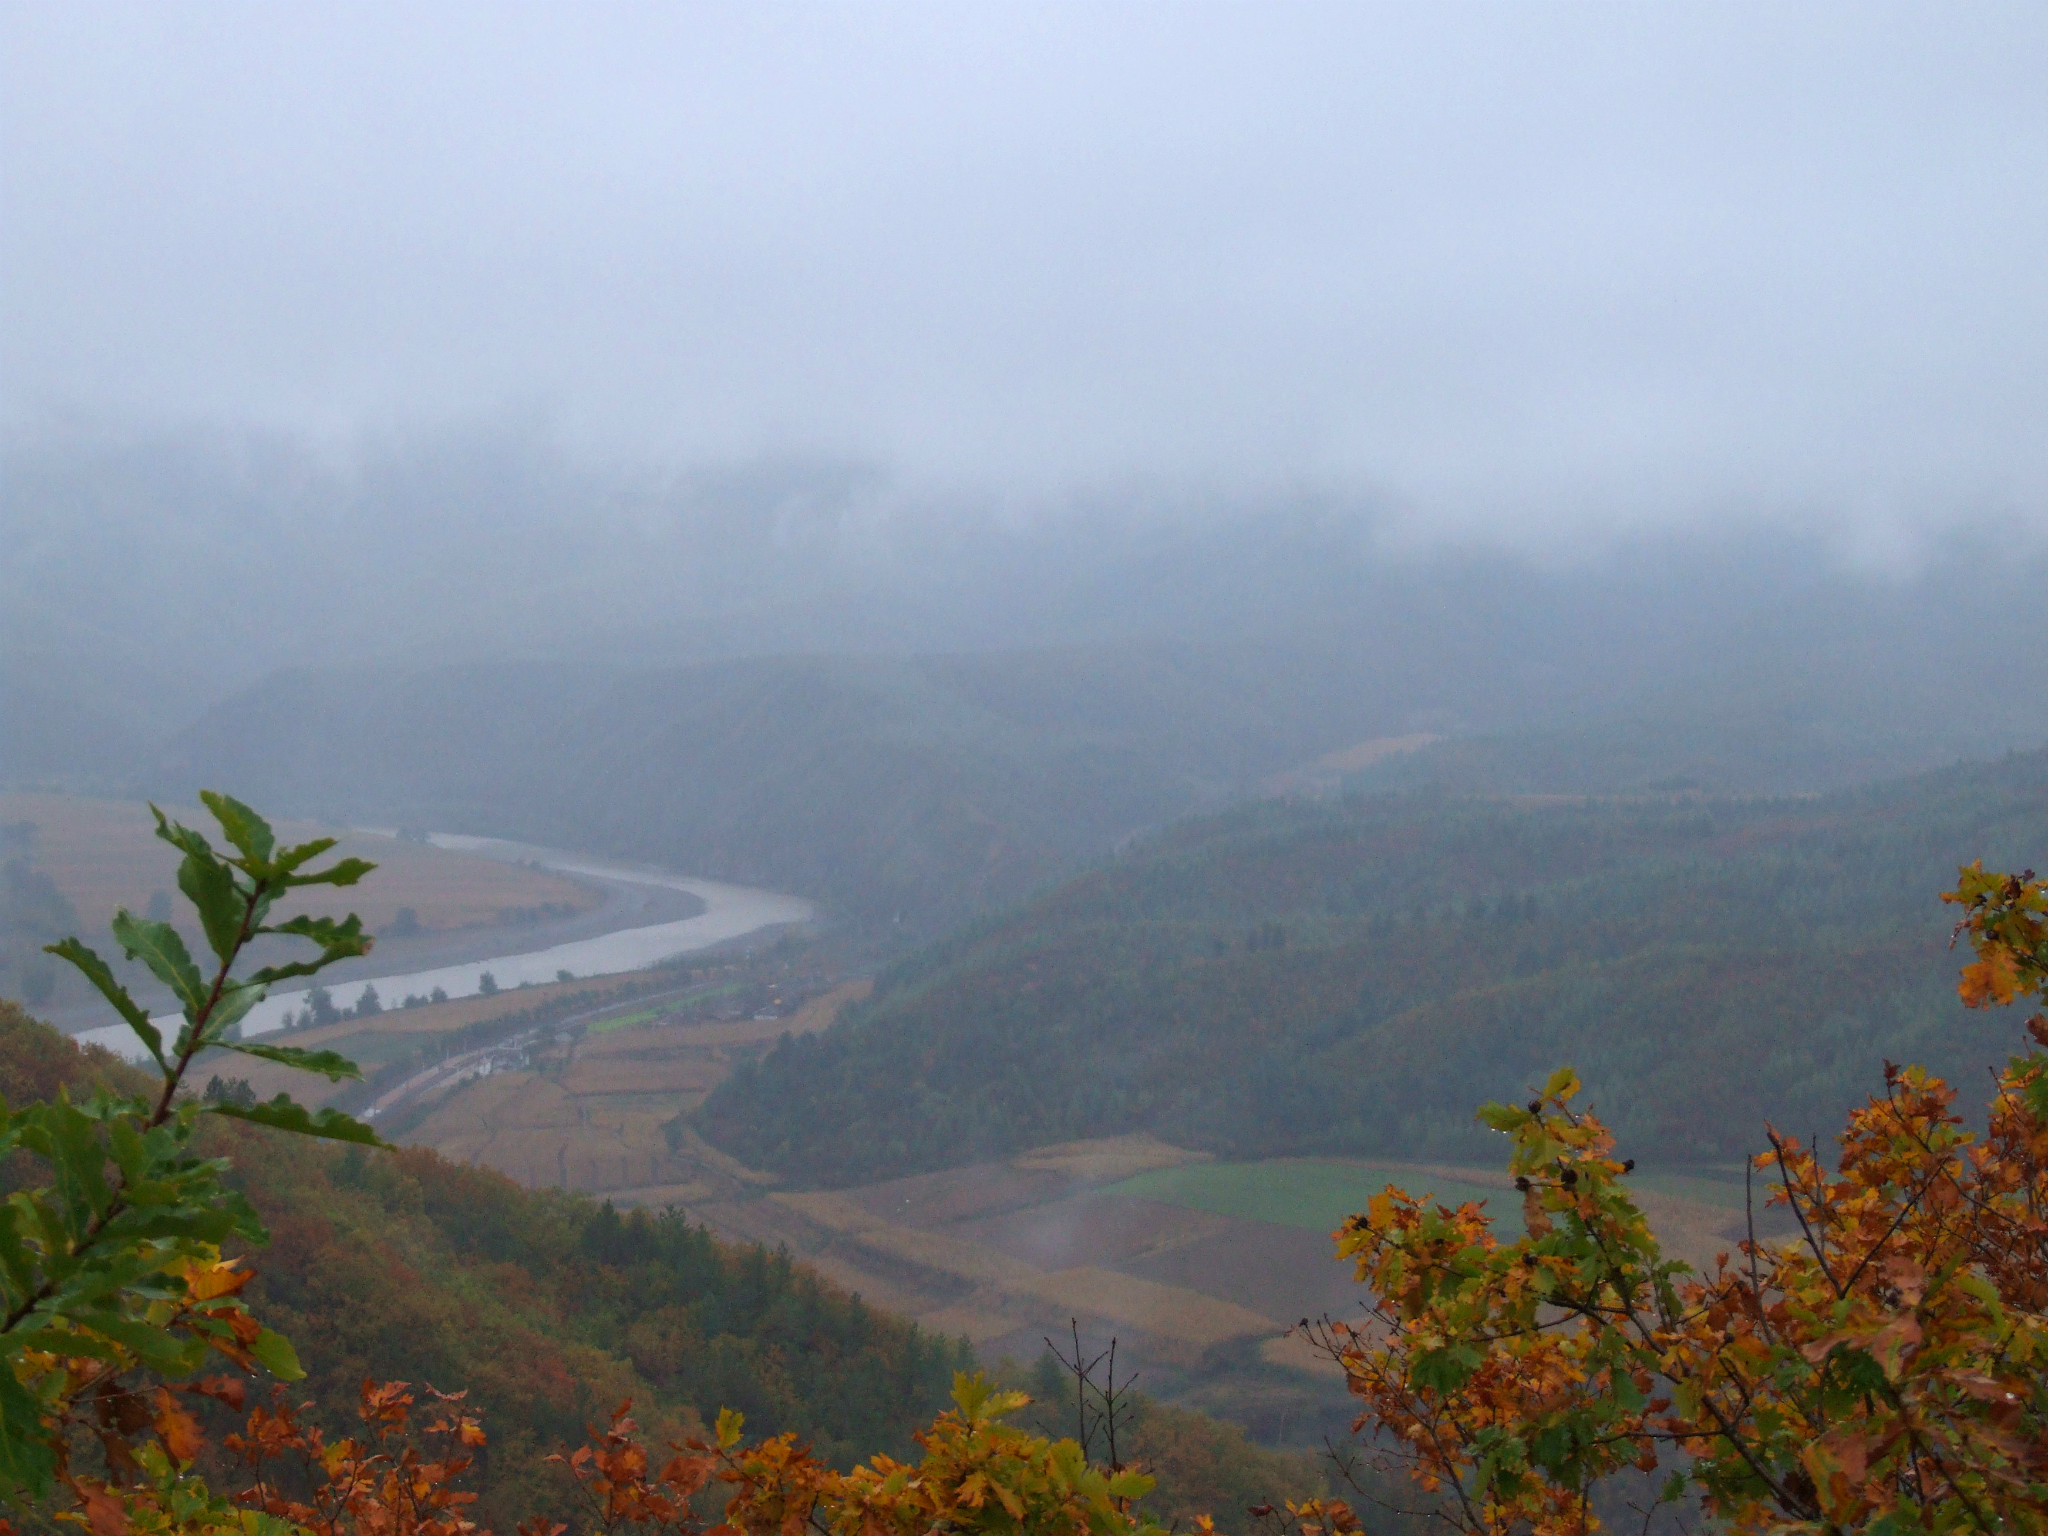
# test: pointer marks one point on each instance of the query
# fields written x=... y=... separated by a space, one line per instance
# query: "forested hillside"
x=1354 y=976
x=547 y=1308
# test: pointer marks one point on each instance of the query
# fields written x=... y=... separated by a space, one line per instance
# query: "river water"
x=730 y=912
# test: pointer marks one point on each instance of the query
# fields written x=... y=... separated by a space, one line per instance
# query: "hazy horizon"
x=1526 y=278
x=1486 y=363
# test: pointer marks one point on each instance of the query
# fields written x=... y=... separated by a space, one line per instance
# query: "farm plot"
x=662 y=1061
x=601 y=1113
x=1093 y=1227
x=536 y=1130
x=1008 y=1253
x=1164 y=1311
x=1283 y=1272
x=1198 y=1266
x=1315 y=1193
x=104 y=854
x=995 y=1286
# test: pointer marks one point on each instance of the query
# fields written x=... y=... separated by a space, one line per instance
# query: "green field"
x=1293 y=1192
x=629 y=1020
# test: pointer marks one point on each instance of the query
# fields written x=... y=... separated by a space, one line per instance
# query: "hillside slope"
x=549 y=1309
x=546 y=1307
x=911 y=793
x=1355 y=977
x=902 y=792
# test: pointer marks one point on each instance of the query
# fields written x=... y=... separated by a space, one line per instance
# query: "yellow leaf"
x=1010 y=1501
x=209 y=1282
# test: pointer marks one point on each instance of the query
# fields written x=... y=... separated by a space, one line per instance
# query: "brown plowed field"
x=961 y=1194
x=1285 y=1272
x=599 y=1121
x=537 y=1131
x=1187 y=1317
x=1011 y=1253
x=1090 y=1228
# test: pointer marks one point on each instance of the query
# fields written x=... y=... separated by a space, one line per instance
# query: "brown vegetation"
x=602 y=1117
x=103 y=854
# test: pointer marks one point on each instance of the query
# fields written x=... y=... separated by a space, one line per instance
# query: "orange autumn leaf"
x=176 y=1428
x=1890 y=1368
x=1993 y=980
x=104 y=1511
x=209 y=1282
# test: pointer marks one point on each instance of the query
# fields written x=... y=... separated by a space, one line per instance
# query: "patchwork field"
x=1200 y=1268
x=594 y=1113
x=541 y=1132
x=104 y=854
x=398 y=1032
x=1314 y=1193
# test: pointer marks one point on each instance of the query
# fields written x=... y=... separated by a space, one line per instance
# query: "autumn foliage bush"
x=1888 y=1373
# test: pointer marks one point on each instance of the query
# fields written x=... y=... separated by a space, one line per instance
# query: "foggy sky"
x=1515 y=268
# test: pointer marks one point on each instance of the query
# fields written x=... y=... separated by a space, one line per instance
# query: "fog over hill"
x=1266 y=572
x=759 y=447
x=801 y=674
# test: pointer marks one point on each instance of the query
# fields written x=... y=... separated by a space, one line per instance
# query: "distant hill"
x=912 y=793
x=1808 y=722
x=912 y=709
x=56 y=733
x=906 y=793
x=1356 y=976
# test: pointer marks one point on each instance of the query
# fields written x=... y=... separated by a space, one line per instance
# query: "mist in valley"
x=1301 y=564
x=806 y=674
x=1494 y=373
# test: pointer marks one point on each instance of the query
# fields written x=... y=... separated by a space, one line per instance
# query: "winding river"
x=730 y=912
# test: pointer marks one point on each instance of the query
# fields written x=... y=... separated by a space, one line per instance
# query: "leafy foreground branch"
x=114 y=1265
x=1888 y=1372
x=401 y=1478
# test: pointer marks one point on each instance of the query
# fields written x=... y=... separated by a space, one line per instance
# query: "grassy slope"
x=1353 y=978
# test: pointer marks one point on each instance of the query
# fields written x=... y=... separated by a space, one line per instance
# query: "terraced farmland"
x=1316 y=1193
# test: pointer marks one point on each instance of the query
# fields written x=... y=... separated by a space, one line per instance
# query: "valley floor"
x=1197 y=1268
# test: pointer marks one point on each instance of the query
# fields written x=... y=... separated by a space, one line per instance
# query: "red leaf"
x=105 y=1513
